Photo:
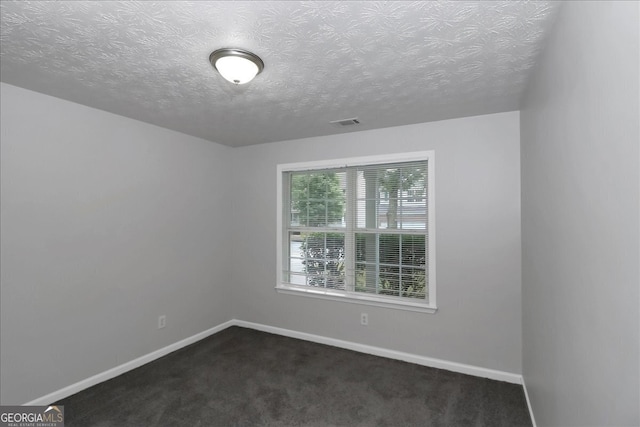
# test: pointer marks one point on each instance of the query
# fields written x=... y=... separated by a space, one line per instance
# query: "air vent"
x=346 y=122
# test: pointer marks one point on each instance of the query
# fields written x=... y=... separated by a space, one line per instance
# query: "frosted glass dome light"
x=236 y=65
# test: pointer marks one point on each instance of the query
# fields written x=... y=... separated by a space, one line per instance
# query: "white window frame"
x=351 y=297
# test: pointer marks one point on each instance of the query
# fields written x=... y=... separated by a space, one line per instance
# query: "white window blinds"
x=359 y=229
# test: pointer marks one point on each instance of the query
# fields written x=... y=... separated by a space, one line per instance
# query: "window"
x=359 y=230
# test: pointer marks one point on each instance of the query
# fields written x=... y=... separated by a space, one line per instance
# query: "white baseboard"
x=391 y=354
x=125 y=367
x=526 y=395
x=362 y=348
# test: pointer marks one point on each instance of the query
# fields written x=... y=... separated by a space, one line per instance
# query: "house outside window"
x=360 y=230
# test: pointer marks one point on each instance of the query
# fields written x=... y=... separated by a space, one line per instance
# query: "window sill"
x=335 y=295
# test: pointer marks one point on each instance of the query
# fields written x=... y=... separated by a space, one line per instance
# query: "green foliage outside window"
x=317 y=198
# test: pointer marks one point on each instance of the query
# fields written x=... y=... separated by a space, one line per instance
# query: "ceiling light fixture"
x=236 y=65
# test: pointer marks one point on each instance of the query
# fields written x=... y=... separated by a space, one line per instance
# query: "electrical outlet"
x=364 y=319
x=162 y=321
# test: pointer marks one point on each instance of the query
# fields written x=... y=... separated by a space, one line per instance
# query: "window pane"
x=318 y=258
x=413 y=283
x=366 y=278
x=296 y=271
x=296 y=265
x=295 y=215
x=391 y=264
x=389 y=248
x=298 y=279
x=389 y=282
x=317 y=213
x=335 y=213
x=414 y=250
x=392 y=196
x=366 y=244
x=317 y=199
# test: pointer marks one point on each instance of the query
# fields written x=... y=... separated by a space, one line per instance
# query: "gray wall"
x=580 y=135
x=106 y=223
x=478 y=243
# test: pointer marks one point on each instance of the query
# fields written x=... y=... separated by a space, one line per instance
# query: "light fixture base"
x=238 y=66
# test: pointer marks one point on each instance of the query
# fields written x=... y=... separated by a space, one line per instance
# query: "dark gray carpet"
x=242 y=377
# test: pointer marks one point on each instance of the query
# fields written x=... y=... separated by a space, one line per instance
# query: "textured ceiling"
x=387 y=63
